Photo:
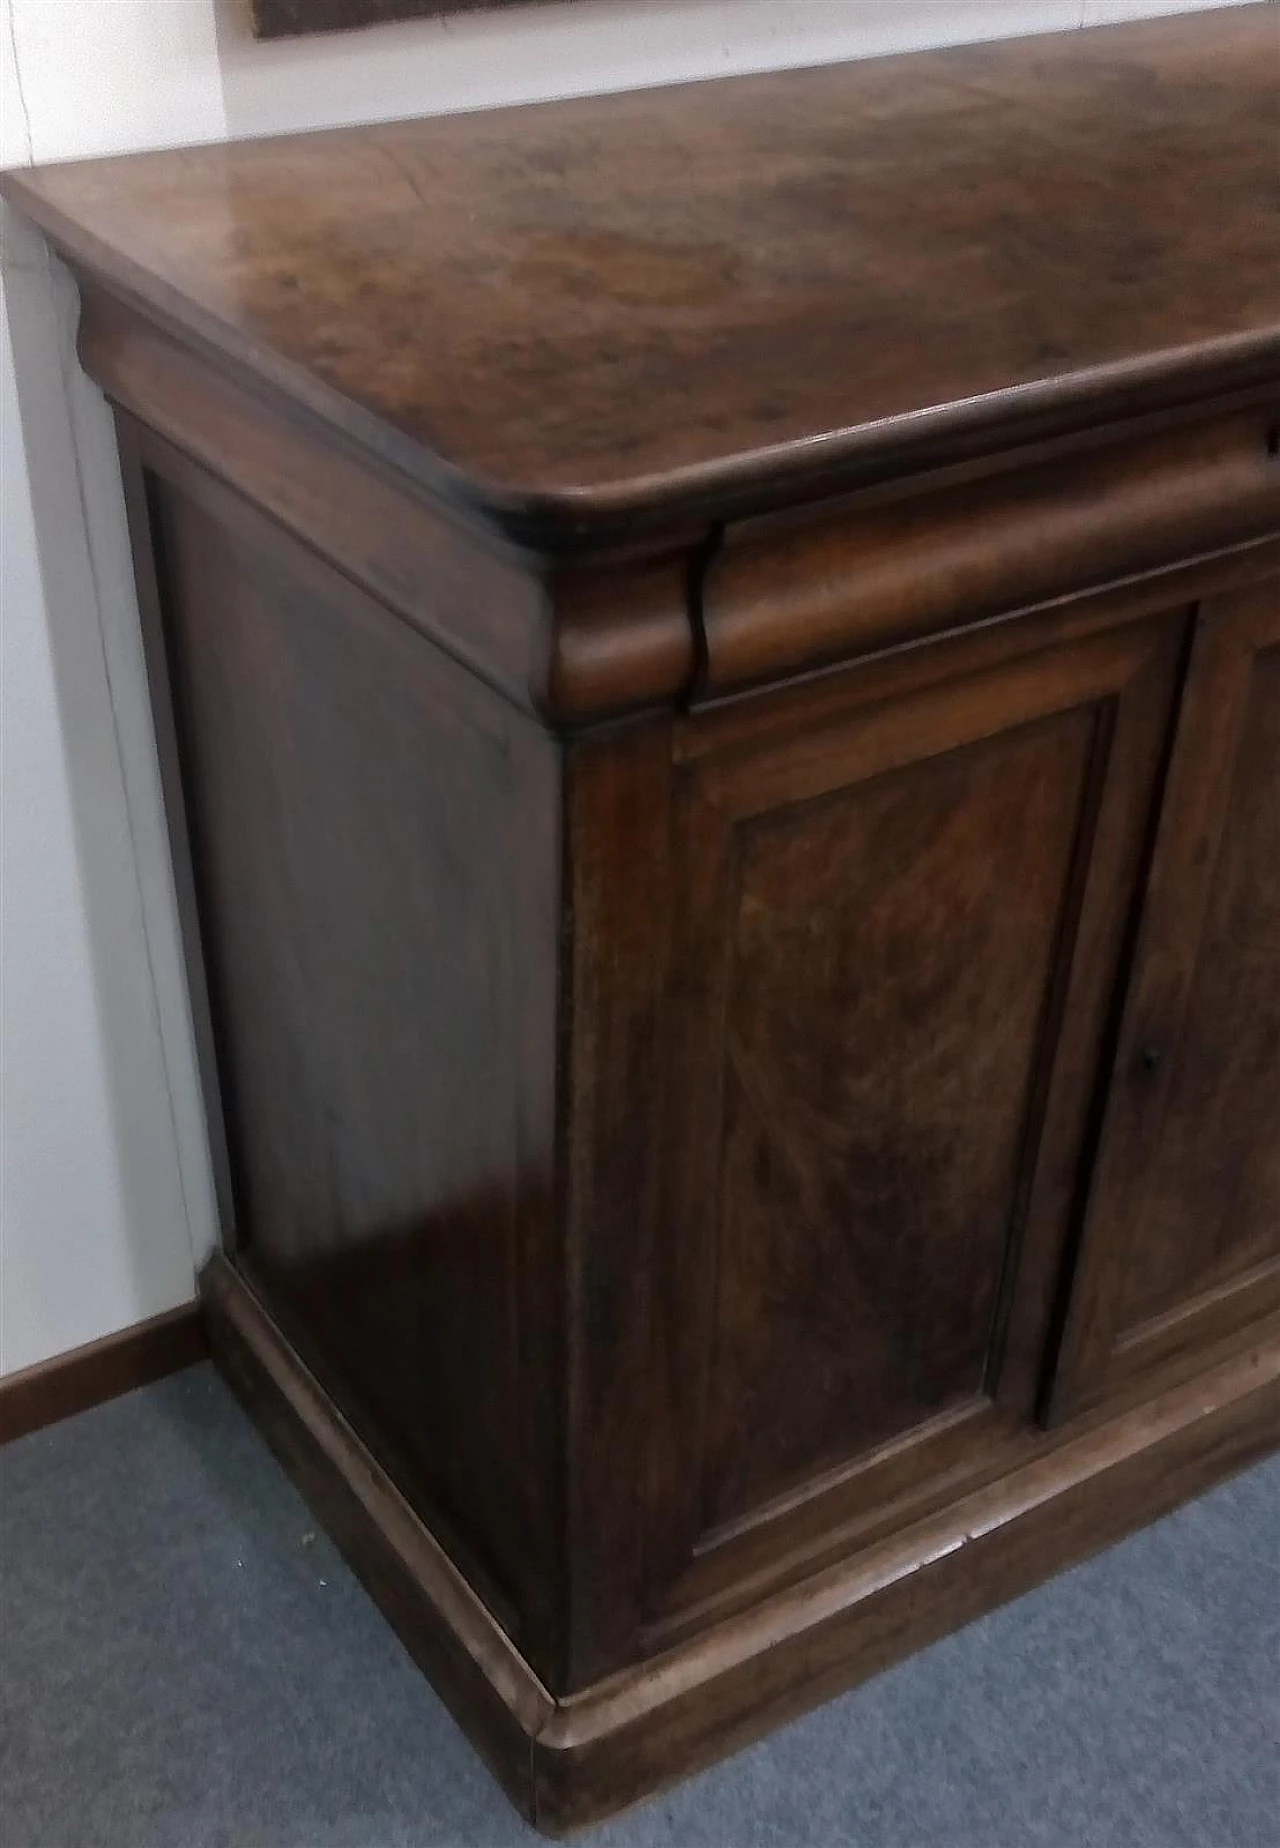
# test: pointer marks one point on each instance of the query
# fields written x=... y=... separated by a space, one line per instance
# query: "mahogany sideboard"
x=716 y=659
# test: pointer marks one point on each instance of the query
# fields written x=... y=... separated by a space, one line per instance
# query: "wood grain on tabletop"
x=615 y=300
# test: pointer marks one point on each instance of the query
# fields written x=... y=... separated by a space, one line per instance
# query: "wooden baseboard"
x=569 y=1762
x=101 y=1370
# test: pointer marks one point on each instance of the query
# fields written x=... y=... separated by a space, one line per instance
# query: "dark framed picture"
x=288 y=18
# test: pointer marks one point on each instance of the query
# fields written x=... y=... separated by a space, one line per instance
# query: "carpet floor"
x=186 y=1663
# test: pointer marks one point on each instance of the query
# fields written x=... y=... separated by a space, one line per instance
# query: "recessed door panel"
x=901 y=929
x=892 y=953
x=1181 y=1242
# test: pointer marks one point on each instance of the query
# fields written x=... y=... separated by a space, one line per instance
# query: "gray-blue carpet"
x=186 y=1664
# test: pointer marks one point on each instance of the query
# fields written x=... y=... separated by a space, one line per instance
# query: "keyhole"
x=1151 y=1059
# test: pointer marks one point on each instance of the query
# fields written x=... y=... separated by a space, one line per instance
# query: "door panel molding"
x=1192 y=1011
x=1078 y=731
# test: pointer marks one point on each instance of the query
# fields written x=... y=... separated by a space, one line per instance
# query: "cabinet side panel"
x=375 y=842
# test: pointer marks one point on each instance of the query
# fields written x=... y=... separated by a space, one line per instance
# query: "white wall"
x=105 y=1199
x=103 y=1171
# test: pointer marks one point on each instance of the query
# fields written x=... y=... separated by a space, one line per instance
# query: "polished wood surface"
x=572 y=639
x=570 y=1762
x=450 y=1632
x=796 y=591
x=615 y=309
x=719 y=722
x=383 y=1004
x=860 y=1236
x=1182 y=1238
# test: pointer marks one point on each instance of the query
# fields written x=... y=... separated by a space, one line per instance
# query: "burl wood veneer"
x=717 y=659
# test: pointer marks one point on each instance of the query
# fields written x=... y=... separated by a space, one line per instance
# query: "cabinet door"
x=1181 y=1240
x=900 y=927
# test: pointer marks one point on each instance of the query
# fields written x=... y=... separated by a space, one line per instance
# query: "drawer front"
x=790 y=594
x=897 y=936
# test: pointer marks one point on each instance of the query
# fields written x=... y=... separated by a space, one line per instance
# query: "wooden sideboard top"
x=625 y=312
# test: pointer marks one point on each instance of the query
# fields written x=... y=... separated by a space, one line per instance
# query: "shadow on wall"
x=100 y=1214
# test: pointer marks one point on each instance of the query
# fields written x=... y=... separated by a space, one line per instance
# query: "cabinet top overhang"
x=621 y=313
